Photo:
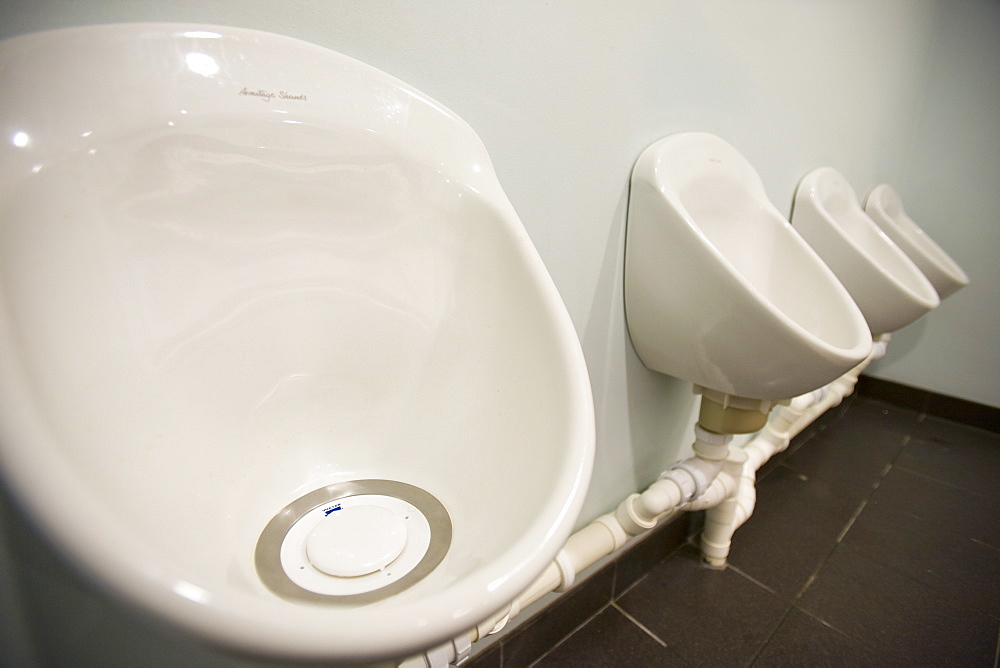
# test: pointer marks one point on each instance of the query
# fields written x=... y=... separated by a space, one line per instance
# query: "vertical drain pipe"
x=787 y=421
x=733 y=415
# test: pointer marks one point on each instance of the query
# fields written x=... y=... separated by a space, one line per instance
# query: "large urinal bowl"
x=245 y=279
x=885 y=284
x=885 y=207
x=719 y=289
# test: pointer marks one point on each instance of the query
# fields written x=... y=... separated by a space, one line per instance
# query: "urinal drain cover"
x=353 y=542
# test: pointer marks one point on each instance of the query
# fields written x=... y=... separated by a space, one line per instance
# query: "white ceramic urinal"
x=885 y=207
x=888 y=288
x=719 y=289
x=279 y=361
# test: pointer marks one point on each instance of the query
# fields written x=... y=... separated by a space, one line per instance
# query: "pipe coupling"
x=696 y=479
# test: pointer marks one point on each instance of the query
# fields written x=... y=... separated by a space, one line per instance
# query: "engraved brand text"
x=267 y=95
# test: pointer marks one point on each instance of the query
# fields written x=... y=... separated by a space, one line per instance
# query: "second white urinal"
x=890 y=290
x=719 y=289
x=885 y=207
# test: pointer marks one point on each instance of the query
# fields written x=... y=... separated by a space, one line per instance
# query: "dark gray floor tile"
x=831 y=416
x=960 y=456
x=867 y=412
x=939 y=507
x=610 y=639
x=539 y=635
x=965 y=571
x=821 y=423
x=834 y=413
x=803 y=640
x=776 y=460
x=802 y=503
x=848 y=454
x=937 y=430
x=905 y=621
x=708 y=617
x=640 y=559
x=794 y=528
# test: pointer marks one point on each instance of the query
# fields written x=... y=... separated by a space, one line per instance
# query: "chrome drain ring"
x=267 y=556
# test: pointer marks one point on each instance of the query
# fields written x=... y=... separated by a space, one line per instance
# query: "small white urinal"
x=888 y=288
x=719 y=289
x=279 y=361
x=885 y=207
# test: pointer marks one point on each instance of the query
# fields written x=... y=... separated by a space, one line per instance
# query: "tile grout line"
x=857 y=513
x=996 y=653
x=874 y=560
x=752 y=579
x=795 y=599
x=840 y=537
x=850 y=523
x=638 y=623
x=943 y=483
x=815 y=574
x=812 y=577
x=986 y=545
x=568 y=635
x=617 y=596
x=770 y=636
x=835 y=629
x=614 y=597
x=885 y=472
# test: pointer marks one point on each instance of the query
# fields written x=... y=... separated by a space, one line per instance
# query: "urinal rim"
x=479 y=172
x=642 y=170
x=808 y=201
x=917 y=240
x=33 y=478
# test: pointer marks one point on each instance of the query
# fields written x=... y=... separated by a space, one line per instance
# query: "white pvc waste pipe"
x=718 y=479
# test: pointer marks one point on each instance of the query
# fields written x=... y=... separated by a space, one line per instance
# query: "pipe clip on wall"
x=719 y=479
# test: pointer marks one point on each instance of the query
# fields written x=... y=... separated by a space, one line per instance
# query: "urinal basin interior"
x=215 y=304
x=884 y=205
x=719 y=289
x=885 y=284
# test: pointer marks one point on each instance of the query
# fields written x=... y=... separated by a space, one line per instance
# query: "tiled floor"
x=875 y=541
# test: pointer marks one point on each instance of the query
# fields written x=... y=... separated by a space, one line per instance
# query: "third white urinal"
x=885 y=207
x=889 y=289
x=719 y=289
x=279 y=363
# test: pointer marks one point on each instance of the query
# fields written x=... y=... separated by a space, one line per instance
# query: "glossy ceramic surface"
x=885 y=207
x=719 y=289
x=236 y=268
x=888 y=288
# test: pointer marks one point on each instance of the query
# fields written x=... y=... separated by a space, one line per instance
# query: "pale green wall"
x=950 y=183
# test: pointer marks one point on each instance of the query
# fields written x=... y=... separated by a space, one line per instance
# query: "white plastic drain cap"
x=356 y=540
